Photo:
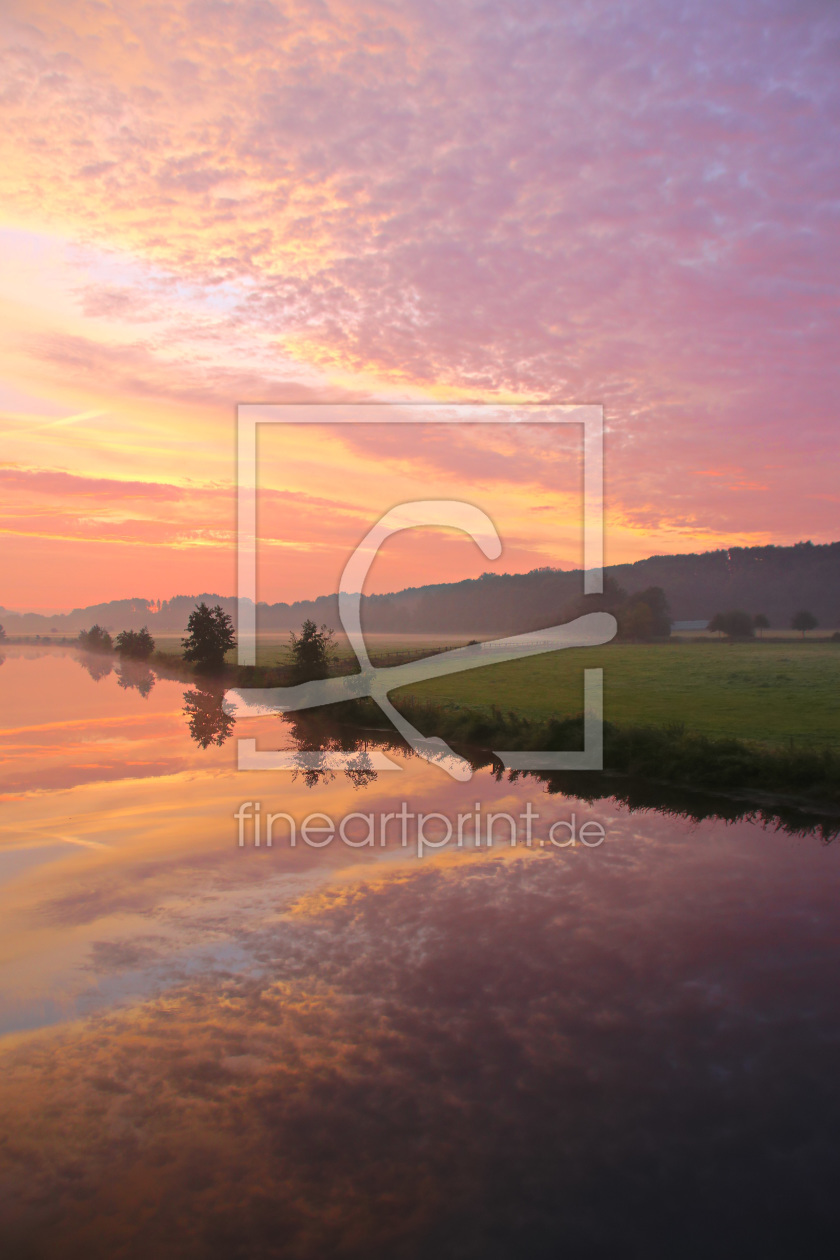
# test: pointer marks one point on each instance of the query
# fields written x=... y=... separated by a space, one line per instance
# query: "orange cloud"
x=205 y=204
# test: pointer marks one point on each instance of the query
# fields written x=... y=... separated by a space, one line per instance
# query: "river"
x=619 y=1038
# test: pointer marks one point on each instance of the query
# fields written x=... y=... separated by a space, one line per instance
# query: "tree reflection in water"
x=318 y=734
x=208 y=722
x=97 y=666
x=135 y=675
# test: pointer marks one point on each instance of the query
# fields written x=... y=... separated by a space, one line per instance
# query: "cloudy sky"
x=206 y=203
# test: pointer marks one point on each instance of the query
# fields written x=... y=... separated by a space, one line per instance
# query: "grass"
x=764 y=693
x=770 y=693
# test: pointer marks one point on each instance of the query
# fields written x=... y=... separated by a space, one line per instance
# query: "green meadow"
x=766 y=691
x=770 y=692
x=763 y=692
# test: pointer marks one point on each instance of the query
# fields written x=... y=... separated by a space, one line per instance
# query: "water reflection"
x=137 y=675
x=348 y=1052
x=577 y=1054
x=97 y=666
x=319 y=732
x=208 y=722
x=322 y=731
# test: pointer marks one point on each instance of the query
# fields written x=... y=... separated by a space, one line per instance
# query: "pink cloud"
x=52 y=482
x=583 y=202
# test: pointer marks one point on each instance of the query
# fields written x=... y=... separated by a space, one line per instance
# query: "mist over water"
x=211 y=1050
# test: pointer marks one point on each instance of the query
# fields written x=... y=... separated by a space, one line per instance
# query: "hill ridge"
x=771 y=579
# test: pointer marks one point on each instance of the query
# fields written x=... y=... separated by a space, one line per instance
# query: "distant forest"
x=772 y=580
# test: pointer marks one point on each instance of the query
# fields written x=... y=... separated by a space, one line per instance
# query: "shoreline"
x=795 y=778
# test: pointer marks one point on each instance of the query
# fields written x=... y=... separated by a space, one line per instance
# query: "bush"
x=735 y=624
x=138 y=645
x=95 y=640
x=311 y=652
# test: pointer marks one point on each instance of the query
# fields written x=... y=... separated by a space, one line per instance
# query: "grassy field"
x=768 y=692
x=762 y=692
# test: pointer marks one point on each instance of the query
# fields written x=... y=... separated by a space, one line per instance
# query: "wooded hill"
x=773 y=580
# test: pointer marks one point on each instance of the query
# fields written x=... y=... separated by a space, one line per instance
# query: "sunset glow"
x=205 y=203
x=419 y=629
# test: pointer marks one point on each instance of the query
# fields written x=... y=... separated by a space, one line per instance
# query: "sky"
x=209 y=203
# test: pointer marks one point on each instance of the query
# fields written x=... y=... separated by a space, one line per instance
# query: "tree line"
x=737 y=624
x=641 y=616
x=210 y=635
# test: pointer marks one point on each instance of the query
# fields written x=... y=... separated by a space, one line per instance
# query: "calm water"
x=218 y=1051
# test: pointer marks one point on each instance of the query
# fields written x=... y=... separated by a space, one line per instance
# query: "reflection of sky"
x=353 y=1052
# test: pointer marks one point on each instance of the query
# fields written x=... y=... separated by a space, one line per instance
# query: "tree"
x=95 y=640
x=803 y=620
x=138 y=645
x=611 y=599
x=645 y=615
x=312 y=651
x=636 y=621
x=761 y=622
x=210 y=635
x=2 y=634
x=735 y=624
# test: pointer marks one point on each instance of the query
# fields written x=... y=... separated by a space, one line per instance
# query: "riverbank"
x=761 y=693
x=774 y=782
x=799 y=776
x=673 y=753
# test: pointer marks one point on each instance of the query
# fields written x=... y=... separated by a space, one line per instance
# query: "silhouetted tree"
x=611 y=599
x=136 y=644
x=207 y=719
x=735 y=624
x=645 y=615
x=210 y=634
x=761 y=622
x=655 y=599
x=312 y=651
x=95 y=640
x=803 y=620
x=635 y=621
